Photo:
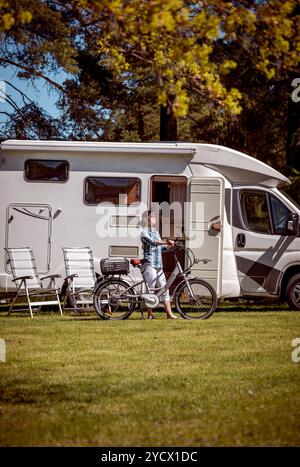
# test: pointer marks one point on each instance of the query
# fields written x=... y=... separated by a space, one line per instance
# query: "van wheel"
x=293 y=292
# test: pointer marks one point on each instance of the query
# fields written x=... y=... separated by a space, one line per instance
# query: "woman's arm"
x=145 y=237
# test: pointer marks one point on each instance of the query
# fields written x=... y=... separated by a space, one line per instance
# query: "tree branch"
x=35 y=72
x=12 y=103
x=24 y=96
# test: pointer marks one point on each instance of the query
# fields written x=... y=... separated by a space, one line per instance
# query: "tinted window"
x=115 y=190
x=41 y=170
x=280 y=214
x=256 y=212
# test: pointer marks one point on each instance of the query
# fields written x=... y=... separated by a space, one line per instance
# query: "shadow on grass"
x=227 y=306
x=252 y=306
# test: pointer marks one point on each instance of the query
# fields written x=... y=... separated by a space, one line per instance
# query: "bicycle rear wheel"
x=198 y=301
x=111 y=300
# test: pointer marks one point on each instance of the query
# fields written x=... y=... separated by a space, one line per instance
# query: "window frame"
x=268 y=196
x=276 y=231
x=110 y=202
x=45 y=160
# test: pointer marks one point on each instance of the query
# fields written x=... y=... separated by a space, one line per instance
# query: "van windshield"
x=290 y=198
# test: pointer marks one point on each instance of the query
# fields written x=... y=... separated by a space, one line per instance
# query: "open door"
x=204 y=207
x=30 y=225
x=169 y=192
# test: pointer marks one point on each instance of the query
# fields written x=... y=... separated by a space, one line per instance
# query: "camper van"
x=57 y=194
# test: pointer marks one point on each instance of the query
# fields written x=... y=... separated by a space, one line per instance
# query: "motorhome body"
x=51 y=190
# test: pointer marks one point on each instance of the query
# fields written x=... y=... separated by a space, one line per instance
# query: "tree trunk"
x=293 y=118
x=141 y=124
x=168 y=124
x=293 y=128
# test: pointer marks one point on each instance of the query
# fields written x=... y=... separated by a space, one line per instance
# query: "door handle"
x=241 y=240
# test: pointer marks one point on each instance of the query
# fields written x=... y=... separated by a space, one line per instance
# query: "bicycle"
x=115 y=298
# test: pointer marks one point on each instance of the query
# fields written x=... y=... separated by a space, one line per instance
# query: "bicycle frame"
x=122 y=291
x=177 y=271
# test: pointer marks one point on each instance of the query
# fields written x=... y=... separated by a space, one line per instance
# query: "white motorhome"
x=50 y=194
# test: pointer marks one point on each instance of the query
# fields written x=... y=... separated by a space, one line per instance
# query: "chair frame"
x=73 y=292
x=51 y=290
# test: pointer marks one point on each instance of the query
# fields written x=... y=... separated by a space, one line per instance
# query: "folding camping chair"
x=81 y=277
x=29 y=284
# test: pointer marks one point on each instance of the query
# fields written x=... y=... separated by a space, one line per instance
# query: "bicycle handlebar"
x=178 y=245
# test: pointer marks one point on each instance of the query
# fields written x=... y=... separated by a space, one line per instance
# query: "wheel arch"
x=287 y=275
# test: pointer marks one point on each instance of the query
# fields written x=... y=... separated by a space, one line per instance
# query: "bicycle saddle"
x=135 y=261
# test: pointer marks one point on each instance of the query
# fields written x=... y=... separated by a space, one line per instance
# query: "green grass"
x=80 y=381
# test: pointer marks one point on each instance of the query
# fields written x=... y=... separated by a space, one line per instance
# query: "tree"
x=129 y=59
x=166 y=42
x=173 y=43
x=12 y=14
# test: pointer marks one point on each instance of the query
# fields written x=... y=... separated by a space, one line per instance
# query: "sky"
x=41 y=92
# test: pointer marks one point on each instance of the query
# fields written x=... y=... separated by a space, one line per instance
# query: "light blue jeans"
x=155 y=277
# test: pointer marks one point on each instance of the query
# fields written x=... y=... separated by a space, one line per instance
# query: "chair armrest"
x=52 y=276
x=22 y=278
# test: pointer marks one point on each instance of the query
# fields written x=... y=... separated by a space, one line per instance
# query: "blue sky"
x=41 y=92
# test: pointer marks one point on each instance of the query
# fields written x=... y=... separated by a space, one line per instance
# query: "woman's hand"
x=171 y=242
x=217 y=226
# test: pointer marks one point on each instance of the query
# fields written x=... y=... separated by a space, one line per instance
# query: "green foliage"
x=13 y=14
x=170 y=41
x=222 y=68
x=173 y=41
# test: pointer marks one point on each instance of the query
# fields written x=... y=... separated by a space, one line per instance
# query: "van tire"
x=293 y=292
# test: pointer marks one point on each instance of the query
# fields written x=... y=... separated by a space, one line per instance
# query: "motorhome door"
x=204 y=207
x=30 y=225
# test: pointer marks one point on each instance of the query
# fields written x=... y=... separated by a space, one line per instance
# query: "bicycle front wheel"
x=198 y=300
x=112 y=300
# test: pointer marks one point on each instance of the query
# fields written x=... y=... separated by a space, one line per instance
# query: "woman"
x=152 y=271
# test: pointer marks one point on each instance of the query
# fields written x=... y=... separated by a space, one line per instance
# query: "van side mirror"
x=293 y=224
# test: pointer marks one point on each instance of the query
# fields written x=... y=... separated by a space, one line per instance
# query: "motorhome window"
x=116 y=190
x=46 y=170
x=256 y=212
x=280 y=215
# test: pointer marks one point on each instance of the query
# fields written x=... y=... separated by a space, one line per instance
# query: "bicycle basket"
x=111 y=266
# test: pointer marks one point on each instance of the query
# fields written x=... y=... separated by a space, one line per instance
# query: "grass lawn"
x=80 y=381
